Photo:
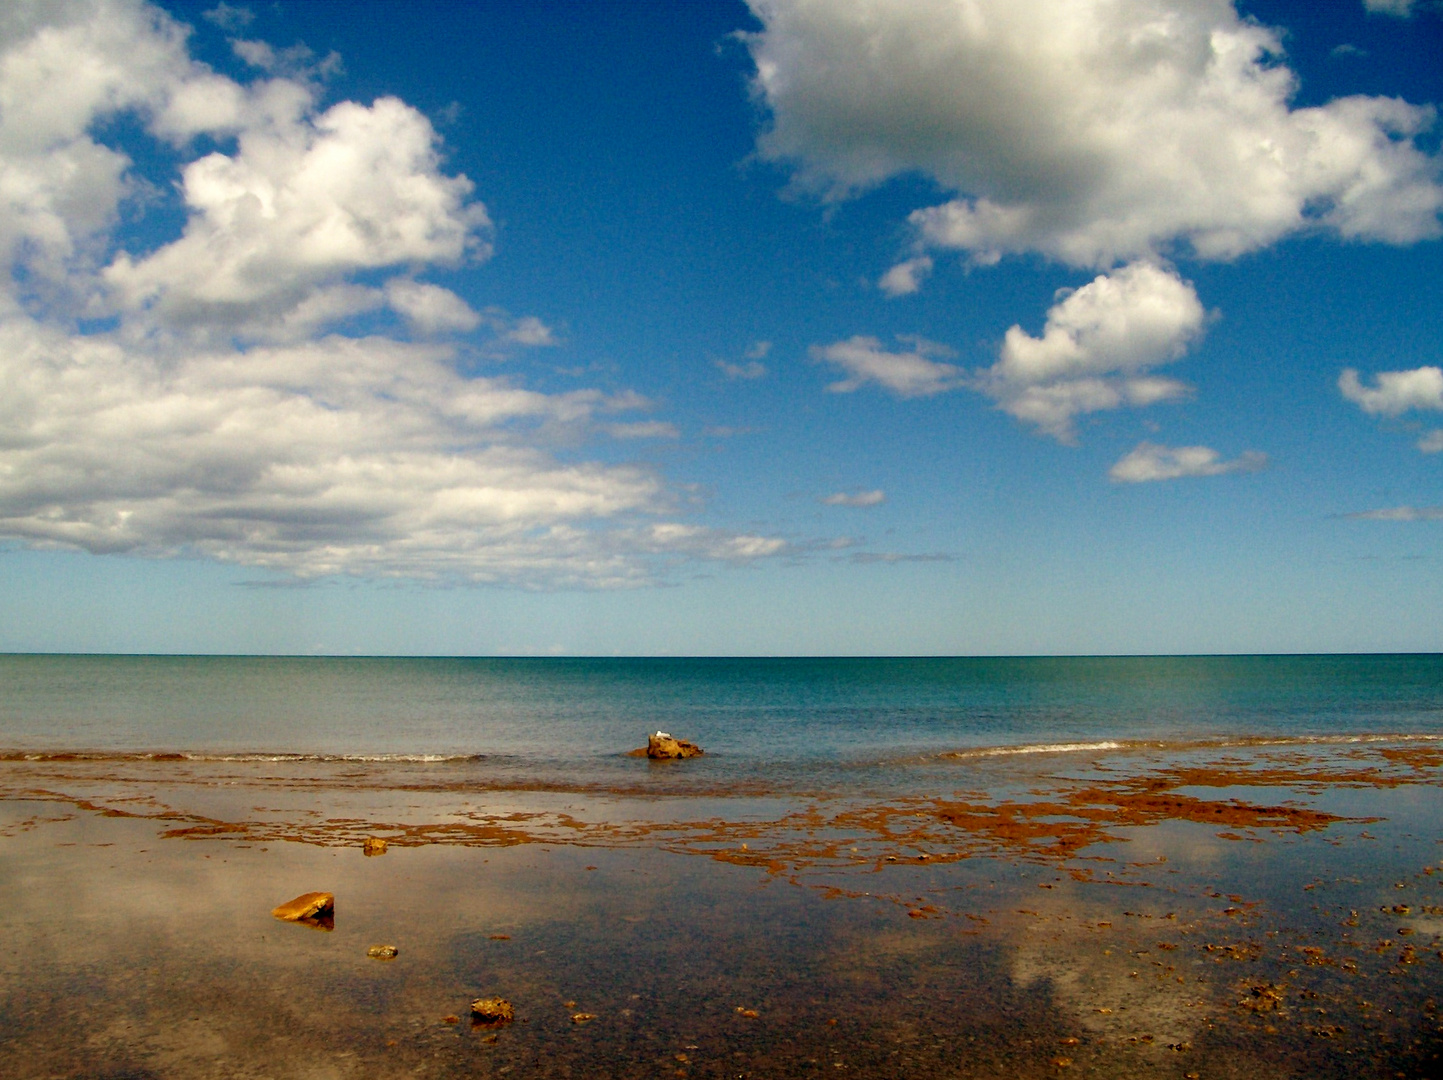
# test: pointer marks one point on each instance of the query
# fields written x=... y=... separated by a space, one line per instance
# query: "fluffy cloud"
x=1149 y=461
x=855 y=498
x=429 y=308
x=1396 y=392
x=305 y=201
x=1092 y=131
x=228 y=413
x=1096 y=348
x=62 y=66
x=907 y=374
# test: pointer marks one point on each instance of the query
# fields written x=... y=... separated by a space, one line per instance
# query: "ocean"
x=743 y=710
x=1117 y=866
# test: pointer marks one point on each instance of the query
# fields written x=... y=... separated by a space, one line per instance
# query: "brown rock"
x=311 y=905
x=493 y=1010
x=373 y=845
x=382 y=952
x=663 y=747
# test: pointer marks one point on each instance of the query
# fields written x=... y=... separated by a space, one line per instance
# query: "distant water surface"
x=579 y=710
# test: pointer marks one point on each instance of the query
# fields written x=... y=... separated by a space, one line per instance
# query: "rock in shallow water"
x=373 y=845
x=493 y=1010
x=664 y=747
x=311 y=905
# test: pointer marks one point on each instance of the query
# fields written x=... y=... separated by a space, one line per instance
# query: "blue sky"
x=797 y=328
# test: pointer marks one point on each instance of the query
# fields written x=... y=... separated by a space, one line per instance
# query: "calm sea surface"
x=742 y=710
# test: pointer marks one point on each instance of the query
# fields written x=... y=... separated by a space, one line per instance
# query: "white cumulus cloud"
x=1096 y=348
x=305 y=201
x=909 y=373
x=1395 y=392
x=1149 y=461
x=1092 y=131
x=228 y=412
x=430 y=308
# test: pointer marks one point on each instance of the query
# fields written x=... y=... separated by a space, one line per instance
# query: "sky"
x=789 y=327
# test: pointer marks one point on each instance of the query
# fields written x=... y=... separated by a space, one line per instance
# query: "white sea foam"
x=1220 y=743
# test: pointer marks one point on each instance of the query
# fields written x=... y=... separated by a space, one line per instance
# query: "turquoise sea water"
x=580 y=711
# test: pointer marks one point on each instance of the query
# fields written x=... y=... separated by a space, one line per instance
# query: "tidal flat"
x=1194 y=911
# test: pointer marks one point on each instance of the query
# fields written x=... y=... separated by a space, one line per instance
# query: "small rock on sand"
x=382 y=952
x=664 y=747
x=1261 y=998
x=311 y=905
x=373 y=845
x=492 y=1010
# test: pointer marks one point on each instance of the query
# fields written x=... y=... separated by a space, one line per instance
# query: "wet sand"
x=1257 y=911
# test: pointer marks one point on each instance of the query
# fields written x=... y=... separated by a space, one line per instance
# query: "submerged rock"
x=664 y=747
x=492 y=1010
x=373 y=845
x=307 y=907
x=382 y=952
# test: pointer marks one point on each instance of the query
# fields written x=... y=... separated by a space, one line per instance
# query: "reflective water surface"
x=1248 y=909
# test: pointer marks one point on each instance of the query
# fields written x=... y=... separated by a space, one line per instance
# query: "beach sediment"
x=1277 y=912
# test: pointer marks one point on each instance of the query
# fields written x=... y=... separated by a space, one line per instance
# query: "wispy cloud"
x=752 y=369
x=907 y=373
x=906 y=277
x=1150 y=461
x=644 y=429
x=233 y=18
x=1399 y=9
x=866 y=558
x=1399 y=513
x=855 y=498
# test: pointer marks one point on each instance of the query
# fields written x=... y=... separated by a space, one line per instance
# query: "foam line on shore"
x=1222 y=743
